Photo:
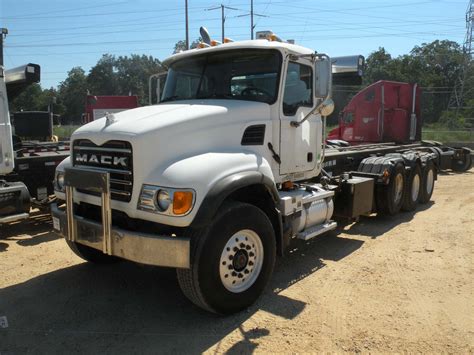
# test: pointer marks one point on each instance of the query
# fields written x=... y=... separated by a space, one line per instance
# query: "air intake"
x=254 y=135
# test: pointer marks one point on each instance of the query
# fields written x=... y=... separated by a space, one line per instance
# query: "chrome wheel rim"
x=429 y=181
x=415 y=188
x=398 y=188
x=241 y=261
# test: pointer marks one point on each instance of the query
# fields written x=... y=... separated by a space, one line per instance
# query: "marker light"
x=203 y=45
x=182 y=202
x=215 y=43
x=228 y=40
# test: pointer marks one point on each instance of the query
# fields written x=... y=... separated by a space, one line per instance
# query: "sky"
x=59 y=35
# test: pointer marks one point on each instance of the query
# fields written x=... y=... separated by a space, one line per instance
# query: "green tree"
x=72 y=94
x=102 y=78
x=133 y=73
x=181 y=45
x=34 y=98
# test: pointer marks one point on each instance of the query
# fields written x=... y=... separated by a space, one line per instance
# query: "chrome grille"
x=114 y=157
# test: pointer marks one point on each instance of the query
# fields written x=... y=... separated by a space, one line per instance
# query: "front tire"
x=231 y=261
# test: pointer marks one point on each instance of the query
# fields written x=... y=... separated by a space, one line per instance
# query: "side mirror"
x=322 y=77
x=156 y=81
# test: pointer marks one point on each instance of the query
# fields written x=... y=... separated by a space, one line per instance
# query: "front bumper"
x=135 y=246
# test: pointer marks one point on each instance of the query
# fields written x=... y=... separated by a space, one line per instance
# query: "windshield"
x=237 y=74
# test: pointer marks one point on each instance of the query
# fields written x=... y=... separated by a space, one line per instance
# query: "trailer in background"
x=387 y=116
x=98 y=106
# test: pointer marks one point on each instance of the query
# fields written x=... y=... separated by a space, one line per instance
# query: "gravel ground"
x=400 y=284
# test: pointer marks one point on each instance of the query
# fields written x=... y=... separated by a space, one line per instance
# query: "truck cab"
x=234 y=124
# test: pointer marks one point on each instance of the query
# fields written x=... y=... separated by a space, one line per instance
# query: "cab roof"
x=249 y=44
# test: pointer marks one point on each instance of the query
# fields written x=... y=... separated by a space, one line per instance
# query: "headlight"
x=59 y=181
x=164 y=200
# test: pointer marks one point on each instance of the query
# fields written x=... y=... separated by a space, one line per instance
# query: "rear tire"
x=231 y=261
x=463 y=164
x=427 y=182
x=90 y=254
x=389 y=198
x=413 y=189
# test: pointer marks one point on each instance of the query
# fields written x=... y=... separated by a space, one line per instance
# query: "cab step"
x=316 y=230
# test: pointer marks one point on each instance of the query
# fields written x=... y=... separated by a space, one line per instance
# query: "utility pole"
x=222 y=7
x=456 y=101
x=252 y=14
x=3 y=34
x=251 y=19
x=187 y=24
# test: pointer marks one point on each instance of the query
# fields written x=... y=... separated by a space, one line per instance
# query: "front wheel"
x=231 y=261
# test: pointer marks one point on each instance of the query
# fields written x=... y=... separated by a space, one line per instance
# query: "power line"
x=223 y=18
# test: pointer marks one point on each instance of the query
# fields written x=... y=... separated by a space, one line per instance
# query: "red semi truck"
x=98 y=106
x=386 y=114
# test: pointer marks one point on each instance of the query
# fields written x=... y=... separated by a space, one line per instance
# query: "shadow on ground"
x=130 y=308
x=376 y=226
x=35 y=230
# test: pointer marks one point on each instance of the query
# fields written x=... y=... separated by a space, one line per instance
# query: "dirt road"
x=401 y=284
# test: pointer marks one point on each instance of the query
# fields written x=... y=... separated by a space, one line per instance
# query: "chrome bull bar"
x=145 y=248
x=94 y=180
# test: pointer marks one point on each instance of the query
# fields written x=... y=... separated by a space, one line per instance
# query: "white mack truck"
x=218 y=177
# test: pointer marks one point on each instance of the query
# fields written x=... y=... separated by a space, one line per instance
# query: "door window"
x=298 y=88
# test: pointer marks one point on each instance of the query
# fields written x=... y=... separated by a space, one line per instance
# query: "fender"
x=225 y=187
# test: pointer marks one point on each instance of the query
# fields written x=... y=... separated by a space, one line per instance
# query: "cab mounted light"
x=228 y=40
x=215 y=43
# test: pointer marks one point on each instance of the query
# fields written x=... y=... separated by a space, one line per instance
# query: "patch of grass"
x=64 y=132
x=445 y=135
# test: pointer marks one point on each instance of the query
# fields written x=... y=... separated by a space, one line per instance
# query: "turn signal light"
x=182 y=202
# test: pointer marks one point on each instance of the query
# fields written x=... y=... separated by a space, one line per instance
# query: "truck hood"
x=177 y=117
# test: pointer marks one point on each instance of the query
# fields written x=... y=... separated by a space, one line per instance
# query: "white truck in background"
x=26 y=167
x=226 y=170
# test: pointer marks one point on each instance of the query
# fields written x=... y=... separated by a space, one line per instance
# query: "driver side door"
x=298 y=144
